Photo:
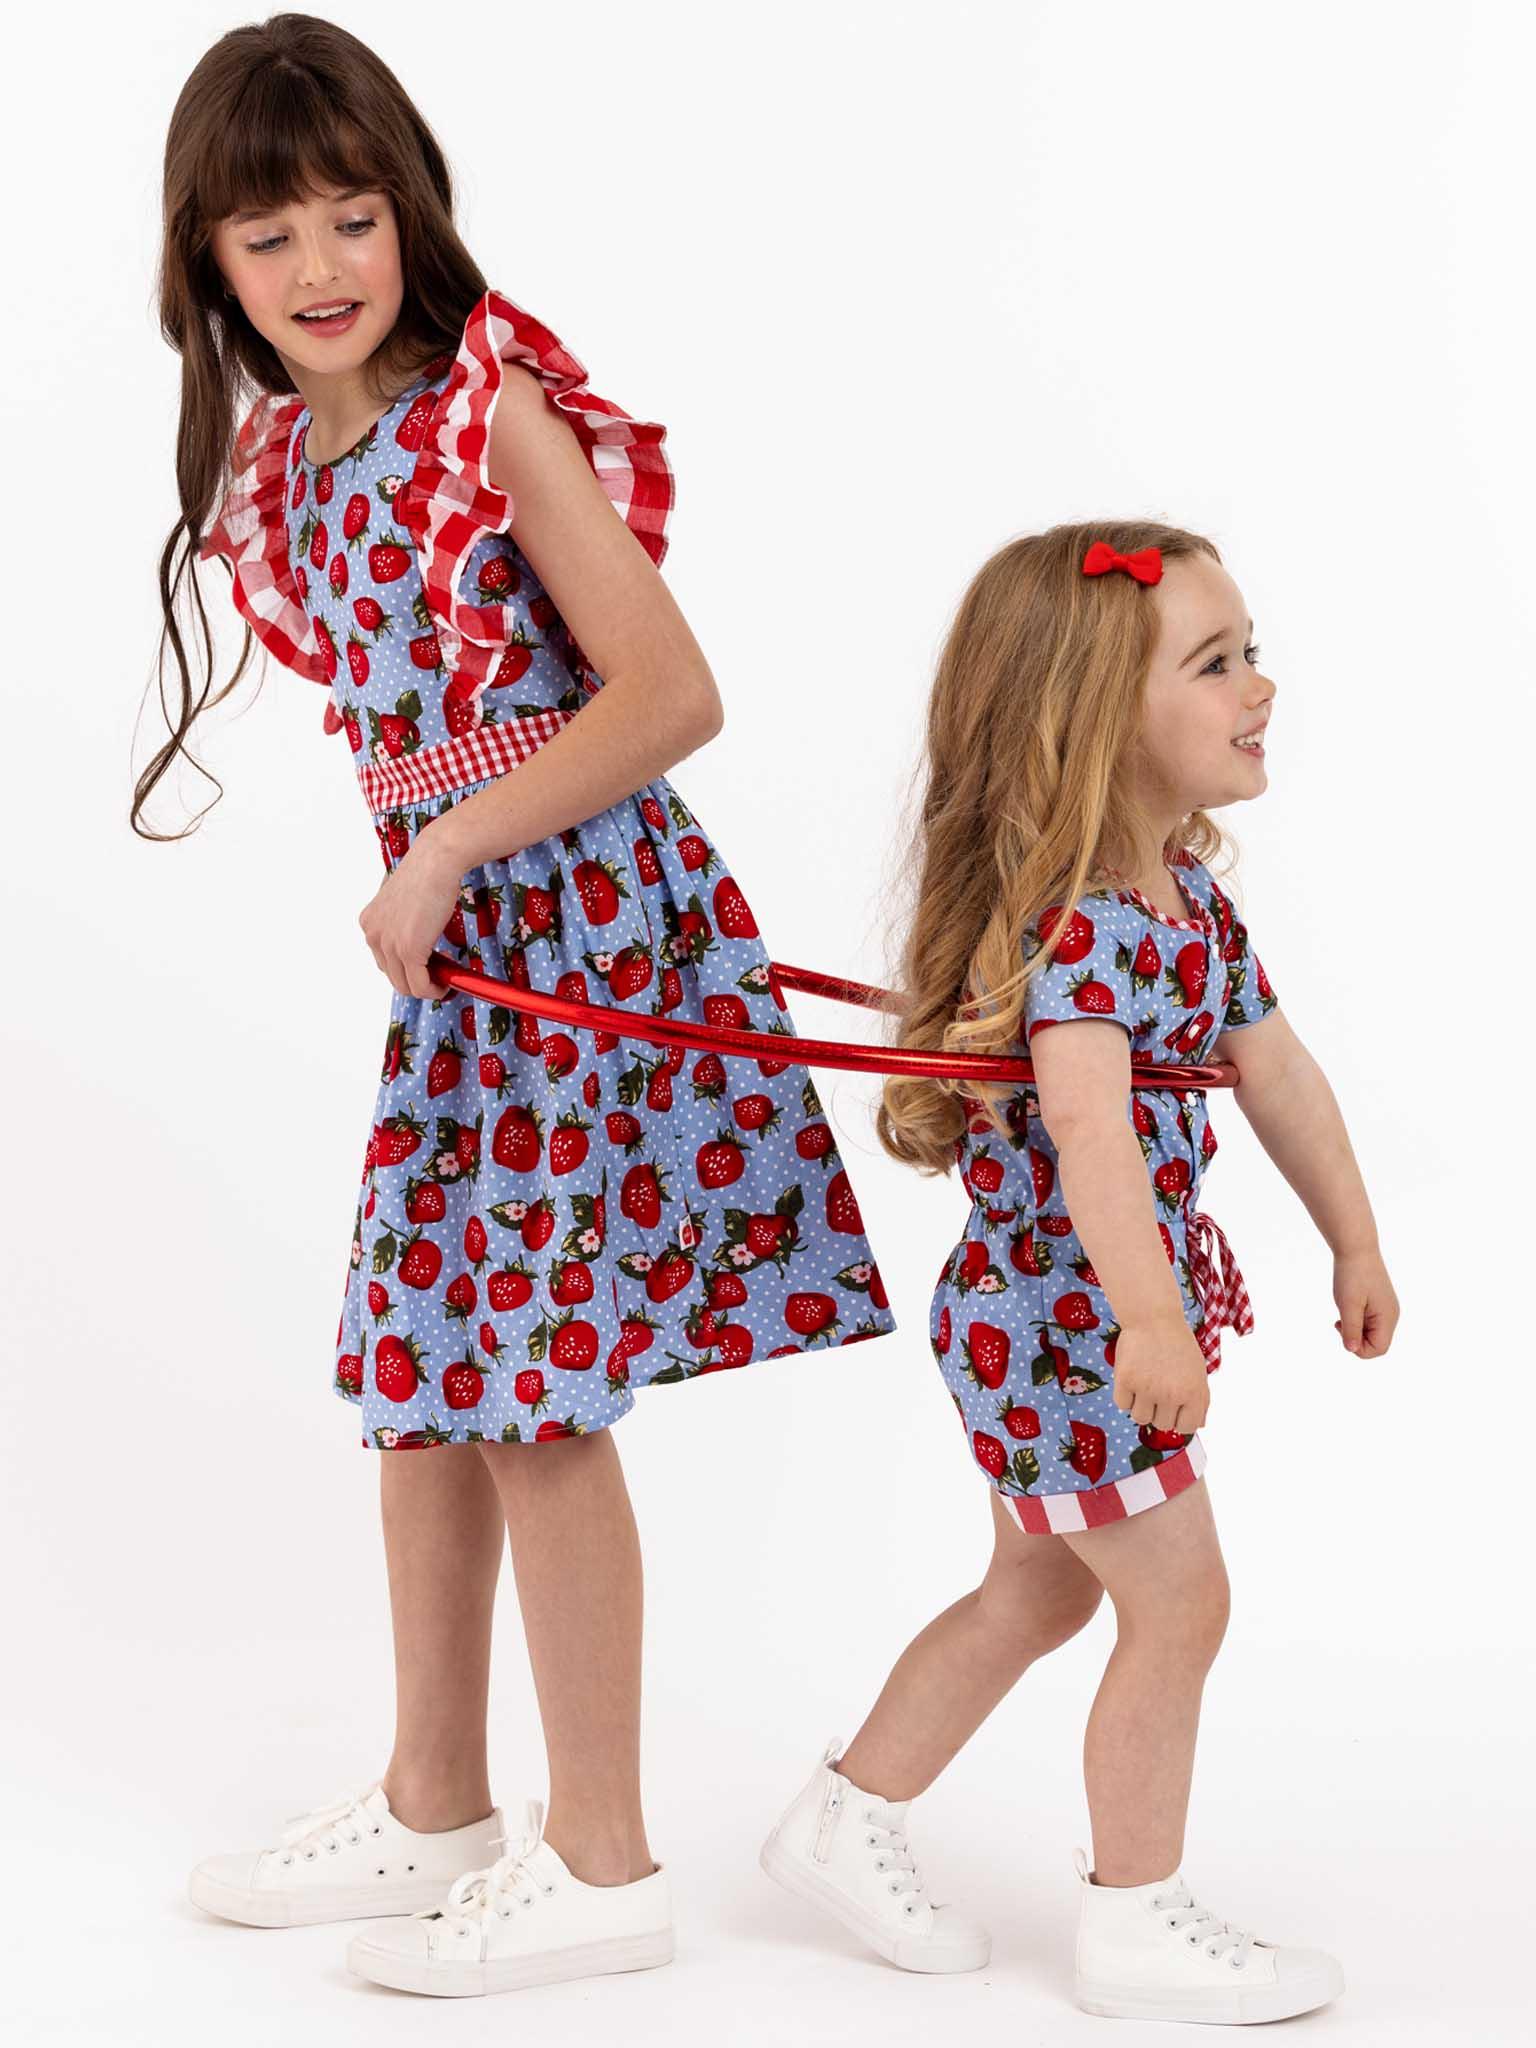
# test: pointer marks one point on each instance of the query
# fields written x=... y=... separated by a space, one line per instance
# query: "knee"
x=1193 y=1614
x=1038 y=1618
x=1211 y=1608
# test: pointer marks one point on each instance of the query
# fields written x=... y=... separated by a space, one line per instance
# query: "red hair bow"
x=1146 y=565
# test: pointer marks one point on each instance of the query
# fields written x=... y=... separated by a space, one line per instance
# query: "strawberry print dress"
x=547 y=1218
x=1023 y=1333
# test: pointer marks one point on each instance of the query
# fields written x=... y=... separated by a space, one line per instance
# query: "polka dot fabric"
x=1020 y=1326
x=548 y=1218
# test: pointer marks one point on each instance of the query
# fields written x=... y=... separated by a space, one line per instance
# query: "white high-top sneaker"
x=525 y=1920
x=341 y=1862
x=1153 y=1952
x=846 y=1851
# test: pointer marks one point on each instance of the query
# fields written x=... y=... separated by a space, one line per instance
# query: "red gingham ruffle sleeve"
x=249 y=532
x=450 y=502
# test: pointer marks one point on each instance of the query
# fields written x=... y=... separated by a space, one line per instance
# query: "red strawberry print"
x=842 y=1208
x=530 y=1389
x=1086 y=1451
x=810 y=1314
x=397 y=1368
x=1019 y=1421
x=986 y=1349
x=721 y=1161
x=989 y=1453
x=1076 y=940
x=388 y=559
x=1128 y=961
x=463 y=1384
x=481 y=1247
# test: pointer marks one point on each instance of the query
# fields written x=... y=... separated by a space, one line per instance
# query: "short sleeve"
x=1090 y=974
x=249 y=531
x=1250 y=998
x=450 y=503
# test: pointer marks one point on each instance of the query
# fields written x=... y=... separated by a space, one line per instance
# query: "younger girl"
x=1098 y=695
x=435 y=519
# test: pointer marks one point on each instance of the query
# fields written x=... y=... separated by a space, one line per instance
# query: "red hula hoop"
x=781 y=1048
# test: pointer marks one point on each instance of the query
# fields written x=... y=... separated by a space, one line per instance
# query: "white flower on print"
x=677 y=946
x=517 y=1210
x=862 y=1272
x=641 y=1261
x=740 y=1255
x=590 y=1241
x=388 y=1438
x=758 y=976
x=989 y=1283
x=602 y=963
x=446 y=1166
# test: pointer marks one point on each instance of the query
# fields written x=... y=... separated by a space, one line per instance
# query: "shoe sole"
x=1241 y=2005
x=266 y=1909
x=932 y=1961
x=512 y=1973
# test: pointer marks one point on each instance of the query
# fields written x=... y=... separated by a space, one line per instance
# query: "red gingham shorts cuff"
x=1050 y=1513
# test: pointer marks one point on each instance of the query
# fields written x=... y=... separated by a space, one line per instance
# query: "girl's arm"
x=658 y=702
x=1285 y=1096
x=1083 y=1080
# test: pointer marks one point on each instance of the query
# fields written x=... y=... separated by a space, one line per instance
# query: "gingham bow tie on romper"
x=1218 y=1284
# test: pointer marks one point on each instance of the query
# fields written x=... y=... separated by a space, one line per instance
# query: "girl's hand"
x=1160 y=1376
x=1366 y=1303
x=406 y=918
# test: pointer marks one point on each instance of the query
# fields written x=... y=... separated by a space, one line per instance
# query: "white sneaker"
x=1153 y=1952
x=846 y=1850
x=341 y=1862
x=525 y=1920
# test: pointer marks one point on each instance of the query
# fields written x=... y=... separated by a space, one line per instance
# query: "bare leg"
x=1034 y=1597
x=1164 y=1571
x=443 y=1540
x=576 y=1554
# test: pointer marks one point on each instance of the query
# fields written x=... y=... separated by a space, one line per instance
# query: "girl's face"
x=316 y=253
x=1207 y=703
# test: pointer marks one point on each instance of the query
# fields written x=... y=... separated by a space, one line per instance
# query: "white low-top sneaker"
x=1153 y=1952
x=524 y=1920
x=846 y=1851
x=343 y=1862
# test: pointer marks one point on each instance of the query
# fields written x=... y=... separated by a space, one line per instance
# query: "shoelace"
x=492 y=1890
x=1203 y=1927
x=897 y=1858
x=325 y=1826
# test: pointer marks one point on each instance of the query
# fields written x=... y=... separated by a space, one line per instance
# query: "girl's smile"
x=1206 y=698
x=333 y=316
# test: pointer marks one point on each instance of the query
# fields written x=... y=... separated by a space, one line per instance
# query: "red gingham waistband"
x=476 y=756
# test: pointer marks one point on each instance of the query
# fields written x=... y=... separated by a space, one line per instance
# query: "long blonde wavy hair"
x=1024 y=801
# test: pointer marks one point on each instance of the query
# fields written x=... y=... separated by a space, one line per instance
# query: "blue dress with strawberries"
x=548 y=1218
x=1020 y=1326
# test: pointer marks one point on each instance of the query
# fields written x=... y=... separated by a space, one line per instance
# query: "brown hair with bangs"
x=1024 y=801
x=270 y=114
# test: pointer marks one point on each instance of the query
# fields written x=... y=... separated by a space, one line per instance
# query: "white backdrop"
x=902 y=281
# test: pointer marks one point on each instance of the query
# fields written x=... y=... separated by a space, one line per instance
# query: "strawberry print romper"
x=1023 y=1333
x=548 y=1218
